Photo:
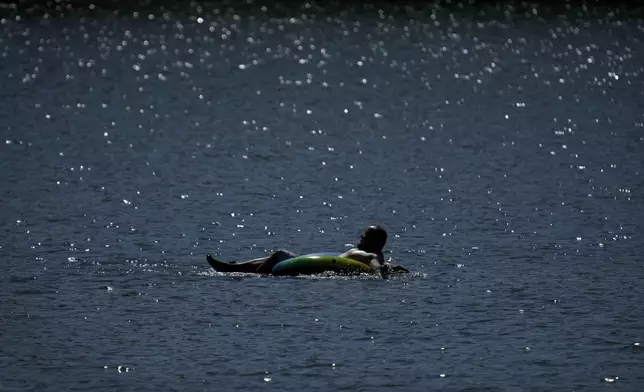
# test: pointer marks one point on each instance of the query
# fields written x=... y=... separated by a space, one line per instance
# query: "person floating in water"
x=368 y=251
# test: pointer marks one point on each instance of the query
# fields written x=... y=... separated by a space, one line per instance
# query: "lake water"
x=501 y=146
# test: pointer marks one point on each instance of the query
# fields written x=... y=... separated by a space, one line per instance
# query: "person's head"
x=373 y=239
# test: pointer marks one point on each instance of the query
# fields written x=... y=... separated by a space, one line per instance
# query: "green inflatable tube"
x=318 y=263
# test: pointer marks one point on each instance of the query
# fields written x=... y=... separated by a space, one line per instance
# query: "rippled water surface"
x=501 y=145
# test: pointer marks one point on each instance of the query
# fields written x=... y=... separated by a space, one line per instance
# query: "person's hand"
x=385 y=270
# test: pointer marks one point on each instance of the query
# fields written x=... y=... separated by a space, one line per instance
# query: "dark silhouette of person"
x=369 y=251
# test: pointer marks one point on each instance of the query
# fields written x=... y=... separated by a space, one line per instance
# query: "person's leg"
x=267 y=265
x=247 y=266
x=262 y=265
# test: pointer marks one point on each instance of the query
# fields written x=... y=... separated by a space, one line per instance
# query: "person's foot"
x=220 y=266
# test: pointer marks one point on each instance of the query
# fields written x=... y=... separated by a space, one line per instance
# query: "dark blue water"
x=501 y=145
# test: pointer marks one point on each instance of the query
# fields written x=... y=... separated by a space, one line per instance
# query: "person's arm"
x=371 y=259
